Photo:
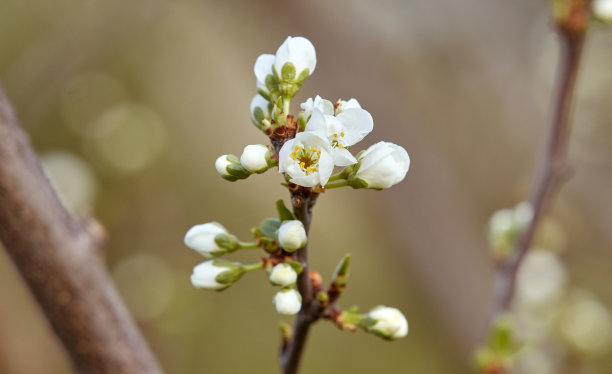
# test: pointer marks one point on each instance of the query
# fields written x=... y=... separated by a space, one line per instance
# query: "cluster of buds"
x=306 y=148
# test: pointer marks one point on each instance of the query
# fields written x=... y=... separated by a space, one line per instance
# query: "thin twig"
x=554 y=169
x=59 y=258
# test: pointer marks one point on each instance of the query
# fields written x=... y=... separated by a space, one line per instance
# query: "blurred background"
x=129 y=103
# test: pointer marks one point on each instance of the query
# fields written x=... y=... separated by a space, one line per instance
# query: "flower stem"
x=336 y=177
x=252 y=245
x=554 y=169
x=286 y=105
x=253 y=267
x=336 y=185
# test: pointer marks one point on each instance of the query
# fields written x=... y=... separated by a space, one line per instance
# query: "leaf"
x=284 y=214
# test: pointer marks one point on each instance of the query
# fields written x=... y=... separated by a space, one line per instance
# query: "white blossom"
x=382 y=165
x=292 y=235
x=342 y=105
x=602 y=9
x=541 y=278
x=325 y=106
x=254 y=158
x=263 y=69
x=389 y=322
x=283 y=275
x=342 y=131
x=307 y=159
x=585 y=323
x=298 y=51
x=206 y=274
x=221 y=165
x=201 y=238
x=287 y=301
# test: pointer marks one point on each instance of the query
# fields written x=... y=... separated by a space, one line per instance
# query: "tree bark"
x=59 y=257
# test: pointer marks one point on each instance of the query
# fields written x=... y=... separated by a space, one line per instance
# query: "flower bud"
x=291 y=235
x=386 y=322
x=216 y=274
x=254 y=158
x=202 y=237
x=229 y=167
x=287 y=301
x=602 y=10
x=380 y=166
x=221 y=165
x=260 y=110
x=506 y=227
x=283 y=275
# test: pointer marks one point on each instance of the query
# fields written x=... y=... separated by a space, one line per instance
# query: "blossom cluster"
x=306 y=148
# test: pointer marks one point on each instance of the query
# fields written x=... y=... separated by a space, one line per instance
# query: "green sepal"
x=269 y=227
x=302 y=76
x=258 y=116
x=233 y=273
x=284 y=214
x=229 y=242
x=271 y=83
x=302 y=120
x=237 y=171
x=266 y=95
x=229 y=178
x=296 y=266
x=357 y=183
x=288 y=72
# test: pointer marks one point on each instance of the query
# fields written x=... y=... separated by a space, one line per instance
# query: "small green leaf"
x=284 y=214
x=296 y=266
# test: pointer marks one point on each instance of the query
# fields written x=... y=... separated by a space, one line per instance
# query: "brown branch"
x=303 y=200
x=554 y=169
x=58 y=256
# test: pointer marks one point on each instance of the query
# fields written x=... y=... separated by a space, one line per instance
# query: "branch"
x=554 y=169
x=303 y=200
x=58 y=256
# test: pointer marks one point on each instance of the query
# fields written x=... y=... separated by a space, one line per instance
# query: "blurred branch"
x=572 y=25
x=58 y=256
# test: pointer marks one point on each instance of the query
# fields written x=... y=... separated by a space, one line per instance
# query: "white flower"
x=221 y=165
x=325 y=106
x=585 y=323
x=307 y=159
x=254 y=158
x=202 y=238
x=259 y=109
x=342 y=105
x=287 y=301
x=541 y=279
x=382 y=165
x=215 y=274
x=291 y=235
x=263 y=69
x=283 y=275
x=602 y=9
x=342 y=131
x=298 y=51
x=389 y=323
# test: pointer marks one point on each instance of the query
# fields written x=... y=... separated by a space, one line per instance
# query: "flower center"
x=337 y=140
x=308 y=159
